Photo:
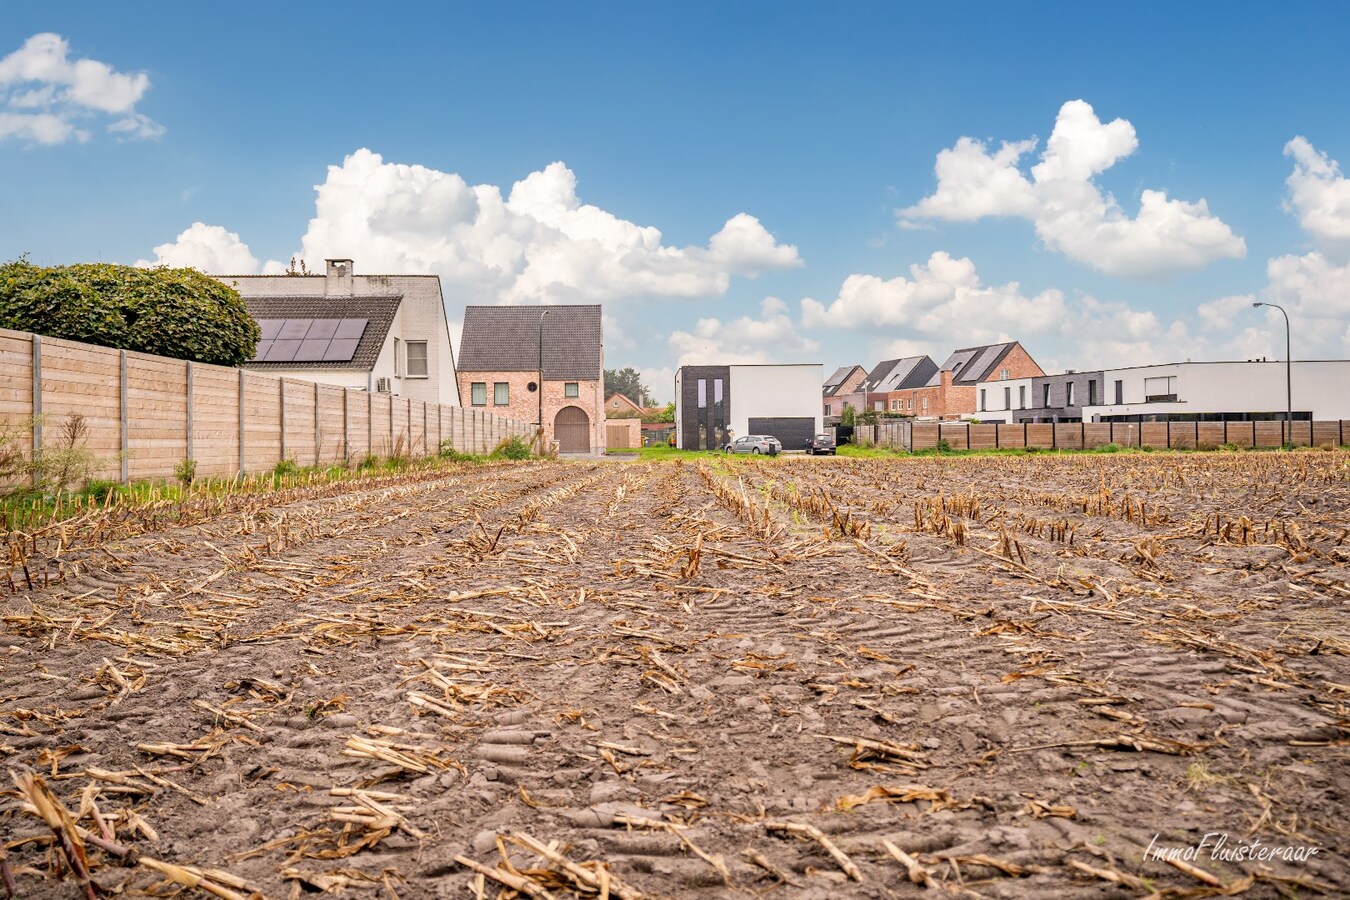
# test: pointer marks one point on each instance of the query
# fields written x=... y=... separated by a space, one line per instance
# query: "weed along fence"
x=146 y=414
x=914 y=436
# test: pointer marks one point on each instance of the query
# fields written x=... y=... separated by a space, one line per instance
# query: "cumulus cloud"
x=539 y=243
x=1070 y=212
x=208 y=248
x=49 y=96
x=772 y=337
x=1320 y=196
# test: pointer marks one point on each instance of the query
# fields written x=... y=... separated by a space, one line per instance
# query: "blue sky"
x=785 y=153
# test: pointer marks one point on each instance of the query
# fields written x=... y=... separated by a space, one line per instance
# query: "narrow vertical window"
x=501 y=393
x=1068 y=394
x=417 y=359
x=702 y=396
x=478 y=393
x=1007 y=398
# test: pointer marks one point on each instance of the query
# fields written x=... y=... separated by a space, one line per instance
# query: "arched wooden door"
x=572 y=430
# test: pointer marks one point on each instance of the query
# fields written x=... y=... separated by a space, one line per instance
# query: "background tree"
x=847 y=414
x=179 y=313
x=665 y=415
x=627 y=381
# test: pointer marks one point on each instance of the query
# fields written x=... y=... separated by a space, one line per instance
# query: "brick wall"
x=523 y=404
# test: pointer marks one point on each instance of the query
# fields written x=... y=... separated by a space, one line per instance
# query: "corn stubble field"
x=996 y=677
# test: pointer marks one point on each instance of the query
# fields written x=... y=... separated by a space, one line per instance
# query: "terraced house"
x=952 y=392
x=512 y=356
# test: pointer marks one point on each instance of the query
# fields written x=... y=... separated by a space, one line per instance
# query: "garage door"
x=792 y=432
x=572 y=429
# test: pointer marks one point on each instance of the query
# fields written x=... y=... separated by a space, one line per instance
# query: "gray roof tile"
x=506 y=339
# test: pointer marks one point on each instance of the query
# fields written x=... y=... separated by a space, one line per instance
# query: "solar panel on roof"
x=322 y=329
x=294 y=329
x=282 y=351
x=261 y=352
x=351 y=328
x=311 y=350
x=340 y=350
x=270 y=327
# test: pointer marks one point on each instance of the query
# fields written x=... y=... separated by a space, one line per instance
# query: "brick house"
x=620 y=406
x=951 y=393
x=889 y=382
x=499 y=362
x=839 y=388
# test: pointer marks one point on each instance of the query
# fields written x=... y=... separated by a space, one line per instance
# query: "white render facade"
x=997 y=401
x=419 y=325
x=1321 y=390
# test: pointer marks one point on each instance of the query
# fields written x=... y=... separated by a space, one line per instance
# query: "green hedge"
x=179 y=313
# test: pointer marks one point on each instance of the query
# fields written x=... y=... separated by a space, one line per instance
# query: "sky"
x=735 y=182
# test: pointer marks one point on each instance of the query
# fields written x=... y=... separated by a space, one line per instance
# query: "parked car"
x=756 y=443
x=822 y=443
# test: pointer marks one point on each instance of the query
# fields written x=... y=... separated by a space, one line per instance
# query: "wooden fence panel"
x=1012 y=435
x=1301 y=434
x=983 y=437
x=157 y=415
x=925 y=436
x=1069 y=436
x=1153 y=434
x=1040 y=436
x=955 y=434
x=1210 y=435
x=1096 y=434
x=1269 y=434
x=1181 y=435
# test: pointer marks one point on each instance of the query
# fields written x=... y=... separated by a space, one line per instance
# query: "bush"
x=179 y=313
x=284 y=468
x=186 y=472
x=448 y=451
x=1112 y=447
x=512 y=448
x=101 y=490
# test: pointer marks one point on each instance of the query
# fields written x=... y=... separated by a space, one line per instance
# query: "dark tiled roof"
x=506 y=339
x=835 y=382
x=379 y=311
x=899 y=374
x=974 y=363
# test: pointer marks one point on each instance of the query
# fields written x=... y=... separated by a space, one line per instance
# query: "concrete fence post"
x=346 y=430
x=122 y=412
x=190 y=426
x=370 y=423
x=242 y=464
x=37 y=405
x=281 y=414
x=318 y=435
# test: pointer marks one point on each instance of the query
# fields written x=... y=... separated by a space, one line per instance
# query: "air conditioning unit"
x=382 y=385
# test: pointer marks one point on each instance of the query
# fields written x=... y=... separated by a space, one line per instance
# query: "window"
x=827 y=410
x=478 y=393
x=1045 y=395
x=1007 y=398
x=573 y=389
x=983 y=407
x=1160 y=390
x=1068 y=395
x=501 y=393
x=909 y=404
x=417 y=359
x=702 y=396
x=1021 y=396
x=925 y=404
x=398 y=359
x=717 y=392
x=1092 y=392
x=1004 y=374
x=1120 y=391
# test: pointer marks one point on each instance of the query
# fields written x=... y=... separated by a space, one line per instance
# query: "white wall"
x=1238 y=387
x=764 y=391
x=995 y=410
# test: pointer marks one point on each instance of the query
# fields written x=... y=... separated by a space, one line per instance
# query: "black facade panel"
x=712 y=416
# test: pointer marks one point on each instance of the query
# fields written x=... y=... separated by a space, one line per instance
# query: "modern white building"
x=714 y=404
x=385 y=333
x=1219 y=391
x=999 y=401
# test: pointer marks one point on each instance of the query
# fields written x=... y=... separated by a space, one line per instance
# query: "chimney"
x=945 y=378
x=339 y=282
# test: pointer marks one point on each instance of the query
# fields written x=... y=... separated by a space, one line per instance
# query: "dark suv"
x=822 y=443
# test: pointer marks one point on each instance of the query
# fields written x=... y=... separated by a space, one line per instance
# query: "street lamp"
x=1288 y=372
x=540 y=422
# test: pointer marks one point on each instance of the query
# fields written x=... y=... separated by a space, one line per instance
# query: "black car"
x=822 y=443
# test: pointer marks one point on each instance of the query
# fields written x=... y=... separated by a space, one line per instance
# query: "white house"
x=1215 y=391
x=999 y=401
x=384 y=333
x=716 y=403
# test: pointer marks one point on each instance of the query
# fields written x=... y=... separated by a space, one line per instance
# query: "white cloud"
x=47 y=93
x=1071 y=214
x=660 y=380
x=770 y=338
x=208 y=248
x=942 y=297
x=1320 y=196
x=538 y=244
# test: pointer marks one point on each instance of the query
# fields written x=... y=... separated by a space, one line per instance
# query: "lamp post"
x=540 y=423
x=1288 y=373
